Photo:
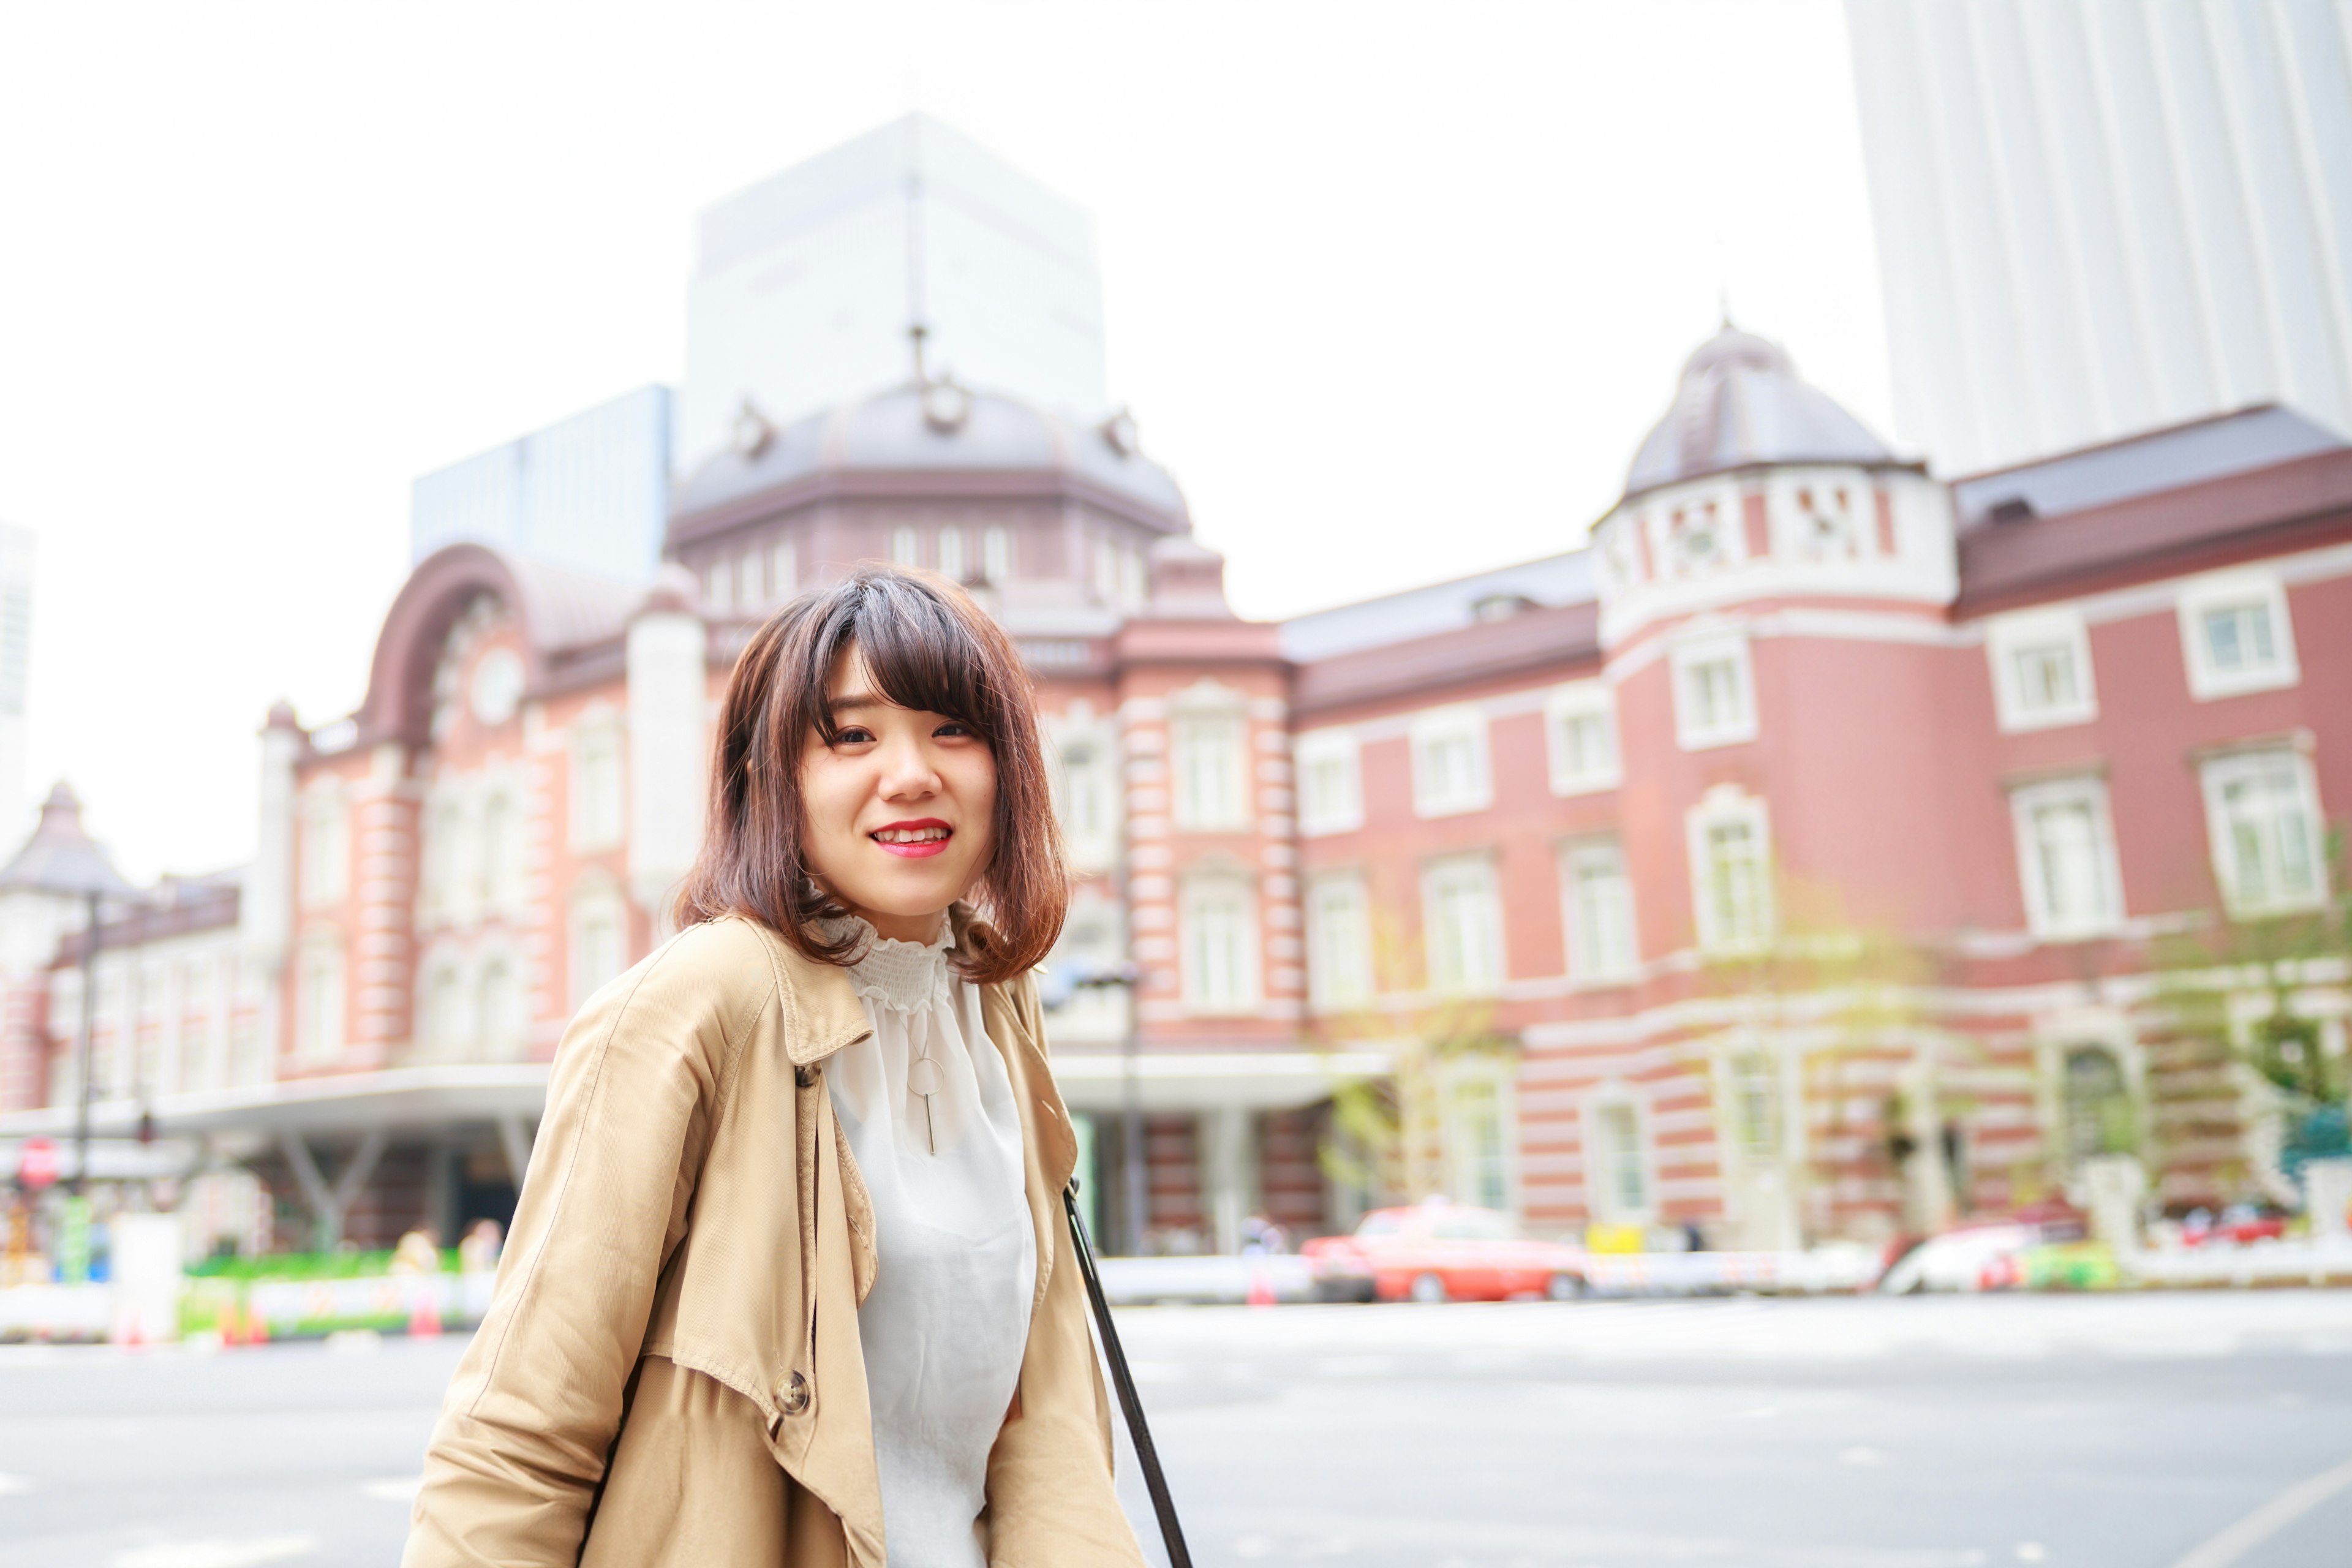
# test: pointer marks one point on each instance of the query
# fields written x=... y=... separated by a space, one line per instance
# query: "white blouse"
x=927 y=1108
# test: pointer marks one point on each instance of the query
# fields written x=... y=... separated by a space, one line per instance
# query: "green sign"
x=73 y=1241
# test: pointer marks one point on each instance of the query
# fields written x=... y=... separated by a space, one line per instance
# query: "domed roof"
x=61 y=856
x=1739 y=403
x=934 y=427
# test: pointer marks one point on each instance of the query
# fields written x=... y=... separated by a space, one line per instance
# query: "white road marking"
x=220 y=1553
x=2232 y=1544
x=395 y=1488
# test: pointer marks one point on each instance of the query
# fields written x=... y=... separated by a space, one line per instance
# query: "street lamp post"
x=92 y=935
x=1132 y=1174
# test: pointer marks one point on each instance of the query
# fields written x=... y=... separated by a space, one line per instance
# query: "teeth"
x=910 y=835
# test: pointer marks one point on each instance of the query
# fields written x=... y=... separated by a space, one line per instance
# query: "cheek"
x=975 y=788
x=829 y=800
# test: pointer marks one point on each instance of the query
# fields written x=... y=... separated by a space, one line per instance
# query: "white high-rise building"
x=2100 y=216
x=807 y=284
x=15 y=643
x=591 y=492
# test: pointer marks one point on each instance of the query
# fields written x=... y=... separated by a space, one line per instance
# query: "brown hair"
x=929 y=647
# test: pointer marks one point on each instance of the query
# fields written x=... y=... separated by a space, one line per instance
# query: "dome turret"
x=1740 y=404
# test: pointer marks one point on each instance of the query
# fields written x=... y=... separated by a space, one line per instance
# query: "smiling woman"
x=878 y=749
x=783 y=1285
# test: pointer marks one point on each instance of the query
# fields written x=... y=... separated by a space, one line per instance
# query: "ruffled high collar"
x=904 y=977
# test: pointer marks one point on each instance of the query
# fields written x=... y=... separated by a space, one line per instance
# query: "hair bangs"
x=917 y=653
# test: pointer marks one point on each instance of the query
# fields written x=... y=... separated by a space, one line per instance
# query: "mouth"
x=913 y=840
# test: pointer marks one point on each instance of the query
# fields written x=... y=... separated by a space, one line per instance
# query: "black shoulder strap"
x=1122 y=1380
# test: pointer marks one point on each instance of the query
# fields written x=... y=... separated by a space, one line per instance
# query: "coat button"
x=804 y=1077
x=793 y=1394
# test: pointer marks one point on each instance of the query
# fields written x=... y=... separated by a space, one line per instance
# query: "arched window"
x=2098 y=1114
x=326 y=847
x=599 y=938
x=502 y=852
x=318 y=999
x=443 y=1014
x=500 y=1012
x=444 y=856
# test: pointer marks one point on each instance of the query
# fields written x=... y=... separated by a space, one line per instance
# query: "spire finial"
x=916 y=333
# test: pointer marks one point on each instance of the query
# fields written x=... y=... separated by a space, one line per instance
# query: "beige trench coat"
x=670 y=1372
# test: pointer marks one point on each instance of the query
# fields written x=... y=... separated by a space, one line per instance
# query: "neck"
x=918 y=929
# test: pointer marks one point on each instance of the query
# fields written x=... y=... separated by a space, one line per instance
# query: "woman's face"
x=900 y=807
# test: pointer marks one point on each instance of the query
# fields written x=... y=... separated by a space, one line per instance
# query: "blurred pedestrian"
x=791 y=1283
x=479 y=1248
x=1261 y=1238
x=416 y=1254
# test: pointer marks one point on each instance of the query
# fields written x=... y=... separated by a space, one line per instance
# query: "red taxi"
x=1439 y=1251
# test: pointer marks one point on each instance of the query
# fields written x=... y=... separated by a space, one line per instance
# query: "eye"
x=954 y=729
x=852 y=735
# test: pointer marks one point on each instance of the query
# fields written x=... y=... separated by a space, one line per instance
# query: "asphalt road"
x=2207 y=1431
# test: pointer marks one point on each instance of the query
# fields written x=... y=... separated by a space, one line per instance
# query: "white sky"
x=1393 y=290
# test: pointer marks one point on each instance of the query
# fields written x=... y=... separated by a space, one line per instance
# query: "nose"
x=907 y=770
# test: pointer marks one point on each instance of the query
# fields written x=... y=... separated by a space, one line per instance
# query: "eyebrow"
x=857 y=699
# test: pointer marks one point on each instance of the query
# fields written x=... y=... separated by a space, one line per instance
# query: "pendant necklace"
x=923 y=1078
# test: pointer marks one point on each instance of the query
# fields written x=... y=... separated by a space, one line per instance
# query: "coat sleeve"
x=531 y=1416
x=1051 y=1502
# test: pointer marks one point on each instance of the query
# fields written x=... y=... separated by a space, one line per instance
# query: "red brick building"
x=1788 y=863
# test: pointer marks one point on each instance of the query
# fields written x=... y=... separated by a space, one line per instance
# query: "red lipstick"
x=917 y=839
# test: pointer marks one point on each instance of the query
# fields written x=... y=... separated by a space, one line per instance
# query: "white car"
x=1975 y=1257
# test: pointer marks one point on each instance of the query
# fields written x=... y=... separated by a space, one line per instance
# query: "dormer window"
x=2236 y=636
x=2041 y=664
x=1714 y=693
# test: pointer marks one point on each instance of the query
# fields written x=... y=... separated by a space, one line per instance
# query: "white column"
x=1224 y=1144
x=667 y=741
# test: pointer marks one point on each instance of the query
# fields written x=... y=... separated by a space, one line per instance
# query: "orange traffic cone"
x=1261 y=1290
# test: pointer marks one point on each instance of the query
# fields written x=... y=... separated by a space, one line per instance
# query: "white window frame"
x=1480 y=974
x=326 y=845
x=1340 y=809
x=1339 y=968
x=2230 y=590
x=504 y=875
x=1587 y=963
x=1198 y=889
x=905 y=547
x=445 y=1025
x=594 y=902
x=1693 y=730
x=1191 y=811
x=1601 y=1195
x=1085 y=769
x=751 y=578
x=1579 y=700
x=1442 y=726
x=947 y=549
x=2215 y=776
x=597 y=742
x=323 y=997
x=1727 y=805
x=1485 y=1075
x=2046 y=922
x=2008 y=638
x=496 y=1038
x=996 y=555
x=784 y=570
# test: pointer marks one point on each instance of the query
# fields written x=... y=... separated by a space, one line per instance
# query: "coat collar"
x=821 y=1013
